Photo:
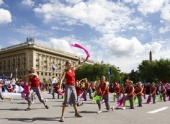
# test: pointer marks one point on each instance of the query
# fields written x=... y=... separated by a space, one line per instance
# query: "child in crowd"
x=79 y=90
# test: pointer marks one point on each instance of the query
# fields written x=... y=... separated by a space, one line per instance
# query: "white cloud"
x=5 y=16
x=124 y=47
x=1 y=2
x=73 y=1
x=103 y=16
x=29 y=3
x=148 y=6
x=165 y=14
x=164 y=29
x=63 y=29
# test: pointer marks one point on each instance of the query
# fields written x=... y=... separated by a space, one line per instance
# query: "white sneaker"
x=45 y=100
x=32 y=102
x=99 y=112
x=112 y=108
x=124 y=108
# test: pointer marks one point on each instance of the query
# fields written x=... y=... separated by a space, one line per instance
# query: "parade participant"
x=79 y=90
x=103 y=91
x=53 y=83
x=56 y=89
x=138 y=93
x=163 y=93
x=153 y=92
x=118 y=92
x=34 y=84
x=1 y=94
x=129 y=89
x=10 y=88
x=144 y=91
x=87 y=89
x=70 y=91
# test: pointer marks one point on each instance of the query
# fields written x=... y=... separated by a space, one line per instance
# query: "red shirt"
x=56 y=88
x=87 y=85
x=118 y=90
x=102 y=88
x=79 y=90
x=34 y=81
x=129 y=90
x=153 y=90
x=70 y=77
x=139 y=90
x=1 y=85
x=163 y=91
x=144 y=91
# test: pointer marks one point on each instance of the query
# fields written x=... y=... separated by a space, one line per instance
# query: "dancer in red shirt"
x=153 y=92
x=33 y=81
x=118 y=92
x=70 y=90
x=163 y=93
x=79 y=90
x=139 y=94
x=130 y=94
x=103 y=89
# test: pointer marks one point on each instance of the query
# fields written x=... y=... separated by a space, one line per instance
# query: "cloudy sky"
x=118 y=32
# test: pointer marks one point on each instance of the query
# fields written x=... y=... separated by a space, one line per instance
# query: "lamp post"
x=118 y=70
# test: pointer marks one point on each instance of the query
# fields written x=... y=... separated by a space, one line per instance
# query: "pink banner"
x=79 y=46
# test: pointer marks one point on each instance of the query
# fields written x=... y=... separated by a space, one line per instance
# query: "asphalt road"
x=13 y=112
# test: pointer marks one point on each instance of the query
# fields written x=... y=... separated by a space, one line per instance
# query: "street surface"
x=13 y=112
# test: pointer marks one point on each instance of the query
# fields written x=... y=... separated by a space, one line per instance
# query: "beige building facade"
x=18 y=60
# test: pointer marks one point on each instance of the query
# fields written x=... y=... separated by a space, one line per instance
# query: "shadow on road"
x=33 y=119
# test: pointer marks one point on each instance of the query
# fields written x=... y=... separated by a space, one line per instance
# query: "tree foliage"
x=155 y=70
x=95 y=71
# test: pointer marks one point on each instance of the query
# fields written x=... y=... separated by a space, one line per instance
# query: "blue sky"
x=118 y=32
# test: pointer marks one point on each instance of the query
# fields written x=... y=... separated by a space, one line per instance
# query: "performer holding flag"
x=70 y=90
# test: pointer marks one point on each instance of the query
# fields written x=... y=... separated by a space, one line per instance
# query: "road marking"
x=158 y=110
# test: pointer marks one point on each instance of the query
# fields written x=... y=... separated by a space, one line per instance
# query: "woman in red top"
x=70 y=90
x=163 y=93
x=153 y=92
x=130 y=94
x=139 y=94
x=33 y=82
x=118 y=92
x=103 y=89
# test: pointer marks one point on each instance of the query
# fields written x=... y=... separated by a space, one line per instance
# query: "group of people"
x=74 y=90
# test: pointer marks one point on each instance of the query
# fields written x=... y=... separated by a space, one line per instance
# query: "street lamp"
x=118 y=70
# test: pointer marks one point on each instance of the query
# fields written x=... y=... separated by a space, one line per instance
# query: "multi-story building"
x=18 y=59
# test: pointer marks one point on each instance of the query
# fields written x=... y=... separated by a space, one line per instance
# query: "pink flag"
x=82 y=95
x=79 y=46
x=61 y=92
x=149 y=99
x=120 y=102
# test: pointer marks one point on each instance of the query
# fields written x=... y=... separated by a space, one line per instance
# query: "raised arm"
x=78 y=66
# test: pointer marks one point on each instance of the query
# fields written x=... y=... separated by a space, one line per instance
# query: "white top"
x=54 y=80
x=13 y=81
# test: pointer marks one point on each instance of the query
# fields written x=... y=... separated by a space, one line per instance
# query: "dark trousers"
x=139 y=100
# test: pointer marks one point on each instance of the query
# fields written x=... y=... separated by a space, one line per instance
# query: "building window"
x=41 y=73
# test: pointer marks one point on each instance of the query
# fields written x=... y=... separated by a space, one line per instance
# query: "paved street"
x=12 y=112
